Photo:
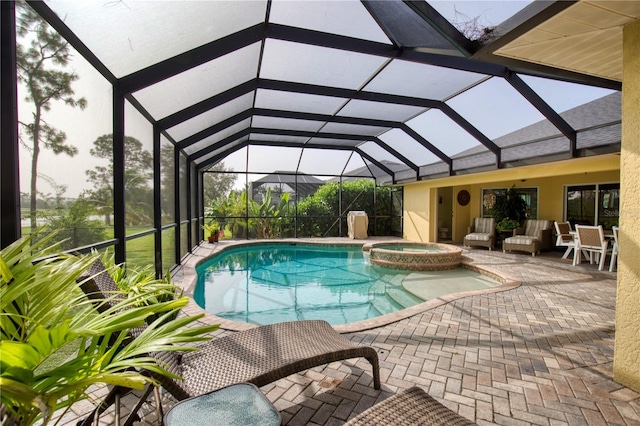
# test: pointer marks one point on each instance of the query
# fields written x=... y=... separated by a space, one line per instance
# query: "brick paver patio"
x=539 y=354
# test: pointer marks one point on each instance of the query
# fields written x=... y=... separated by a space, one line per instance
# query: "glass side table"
x=241 y=404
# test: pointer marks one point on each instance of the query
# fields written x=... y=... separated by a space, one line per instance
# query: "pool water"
x=270 y=283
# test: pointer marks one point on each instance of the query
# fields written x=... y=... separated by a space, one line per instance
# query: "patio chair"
x=564 y=238
x=412 y=406
x=591 y=241
x=260 y=355
x=614 y=249
x=482 y=233
x=533 y=237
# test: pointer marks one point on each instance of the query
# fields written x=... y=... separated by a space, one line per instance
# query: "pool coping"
x=207 y=250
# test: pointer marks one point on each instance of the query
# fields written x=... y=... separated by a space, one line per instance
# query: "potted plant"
x=212 y=231
x=507 y=224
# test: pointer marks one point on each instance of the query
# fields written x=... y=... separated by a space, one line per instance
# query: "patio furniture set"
x=534 y=236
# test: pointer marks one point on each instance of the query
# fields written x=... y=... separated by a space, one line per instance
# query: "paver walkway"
x=538 y=354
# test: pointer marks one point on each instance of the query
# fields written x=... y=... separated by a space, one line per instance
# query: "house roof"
x=368 y=83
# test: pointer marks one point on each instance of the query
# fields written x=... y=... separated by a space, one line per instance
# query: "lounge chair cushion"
x=521 y=240
x=484 y=225
x=410 y=407
x=532 y=227
x=476 y=236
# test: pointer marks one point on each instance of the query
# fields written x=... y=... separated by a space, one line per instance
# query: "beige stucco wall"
x=626 y=363
x=420 y=219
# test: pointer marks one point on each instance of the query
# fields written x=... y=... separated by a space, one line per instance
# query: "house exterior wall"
x=550 y=179
x=626 y=360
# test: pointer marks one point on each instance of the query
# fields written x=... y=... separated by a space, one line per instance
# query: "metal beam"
x=190 y=59
x=337 y=92
x=534 y=99
x=396 y=154
x=157 y=200
x=469 y=128
x=218 y=127
x=229 y=139
x=327 y=147
x=227 y=152
x=207 y=104
x=422 y=141
x=10 y=229
x=442 y=25
x=378 y=164
x=119 y=208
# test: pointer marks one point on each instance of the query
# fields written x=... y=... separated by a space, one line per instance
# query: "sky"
x=495 y=119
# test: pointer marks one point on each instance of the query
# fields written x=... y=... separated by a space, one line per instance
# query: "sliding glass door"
x=596 y=204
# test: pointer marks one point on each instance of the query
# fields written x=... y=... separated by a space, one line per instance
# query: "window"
x=529 y=195
x=597 y=204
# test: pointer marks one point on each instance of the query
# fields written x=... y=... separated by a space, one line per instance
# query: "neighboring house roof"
x=597 y=124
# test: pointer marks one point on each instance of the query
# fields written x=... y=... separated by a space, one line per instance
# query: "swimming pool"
x=269 y=283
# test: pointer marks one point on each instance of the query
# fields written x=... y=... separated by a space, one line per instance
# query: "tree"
x=217 y=184
x=138 y=173
x=41 y=70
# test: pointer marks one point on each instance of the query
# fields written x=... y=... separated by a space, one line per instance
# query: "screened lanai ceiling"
x=392 y=89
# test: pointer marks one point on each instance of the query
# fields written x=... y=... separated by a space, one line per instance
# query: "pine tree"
x=41 y=69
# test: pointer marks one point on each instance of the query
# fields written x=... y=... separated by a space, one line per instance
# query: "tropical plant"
x=507 y=224
x=509 y=205
x=55 y=344
x=136 y=281
x=211 y=228
x=267 y=220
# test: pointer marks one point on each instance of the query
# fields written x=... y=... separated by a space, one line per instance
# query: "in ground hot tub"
x=414 y=256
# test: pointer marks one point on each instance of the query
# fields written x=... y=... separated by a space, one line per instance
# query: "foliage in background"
x=216 y=183
x=268 y=220
x=318 y=215
x=41 y=55
x=138 y=175
x=73 y=227
x=55 y=344
x=322 y=210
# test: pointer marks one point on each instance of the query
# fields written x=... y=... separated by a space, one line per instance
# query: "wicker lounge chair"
x=482 y=233
x=410 y=407
x=260 y=355
x=533 y=237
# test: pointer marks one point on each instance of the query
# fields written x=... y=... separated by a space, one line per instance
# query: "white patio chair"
x=591 y=240
x=614 y=250
x=564 y=237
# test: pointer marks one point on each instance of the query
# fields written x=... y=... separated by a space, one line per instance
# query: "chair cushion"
x=484 y=225
x=524 y=240
x=533 y=226
x=477 y=236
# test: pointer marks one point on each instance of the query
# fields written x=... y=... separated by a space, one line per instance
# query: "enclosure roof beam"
x=544 y=108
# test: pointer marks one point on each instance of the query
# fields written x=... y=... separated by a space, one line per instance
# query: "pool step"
x=384 y=304
x=402 y=298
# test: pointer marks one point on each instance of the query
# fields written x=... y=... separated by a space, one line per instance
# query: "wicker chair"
x=410 y=407
x=564 y=237
x=591 y=241
x=260 y=355
x=482 y=233
x=533 y=237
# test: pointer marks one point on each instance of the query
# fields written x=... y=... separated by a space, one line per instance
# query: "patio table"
x=241 y=404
